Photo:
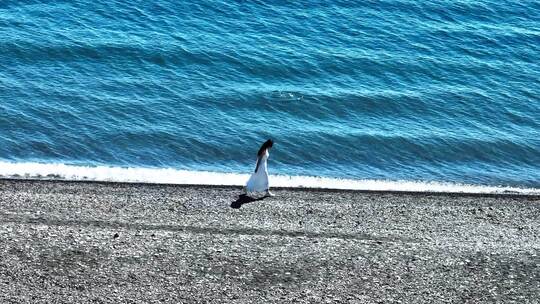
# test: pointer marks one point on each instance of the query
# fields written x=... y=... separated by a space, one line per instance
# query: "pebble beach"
x=90 y=242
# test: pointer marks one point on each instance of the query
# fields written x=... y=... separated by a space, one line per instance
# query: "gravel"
x=87 y=242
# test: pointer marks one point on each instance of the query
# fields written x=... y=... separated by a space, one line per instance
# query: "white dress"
x=258 y=182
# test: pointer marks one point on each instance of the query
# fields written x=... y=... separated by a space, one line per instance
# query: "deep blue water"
x=444 y=91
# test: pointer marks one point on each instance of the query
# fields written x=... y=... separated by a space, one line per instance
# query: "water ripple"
x=436 y=90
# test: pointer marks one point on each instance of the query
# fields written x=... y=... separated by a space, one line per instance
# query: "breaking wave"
x=186 y=177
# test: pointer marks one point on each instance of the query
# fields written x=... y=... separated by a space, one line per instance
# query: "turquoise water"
x=431 y=91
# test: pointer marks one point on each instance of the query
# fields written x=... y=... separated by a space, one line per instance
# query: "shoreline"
x=69 y=172
x=148 y=243
x=508 y=194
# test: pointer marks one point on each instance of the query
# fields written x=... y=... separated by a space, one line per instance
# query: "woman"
x=258 y=182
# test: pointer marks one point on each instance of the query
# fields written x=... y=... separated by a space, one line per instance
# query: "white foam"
x=173 y=176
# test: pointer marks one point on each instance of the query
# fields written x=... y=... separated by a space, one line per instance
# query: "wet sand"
x=77 y=242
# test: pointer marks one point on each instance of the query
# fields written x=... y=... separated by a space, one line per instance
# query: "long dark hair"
x=267 y=144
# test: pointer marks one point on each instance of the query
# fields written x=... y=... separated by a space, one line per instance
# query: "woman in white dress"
x=258 y=182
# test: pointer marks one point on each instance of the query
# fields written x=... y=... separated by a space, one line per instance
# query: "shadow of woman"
x=244 y=199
